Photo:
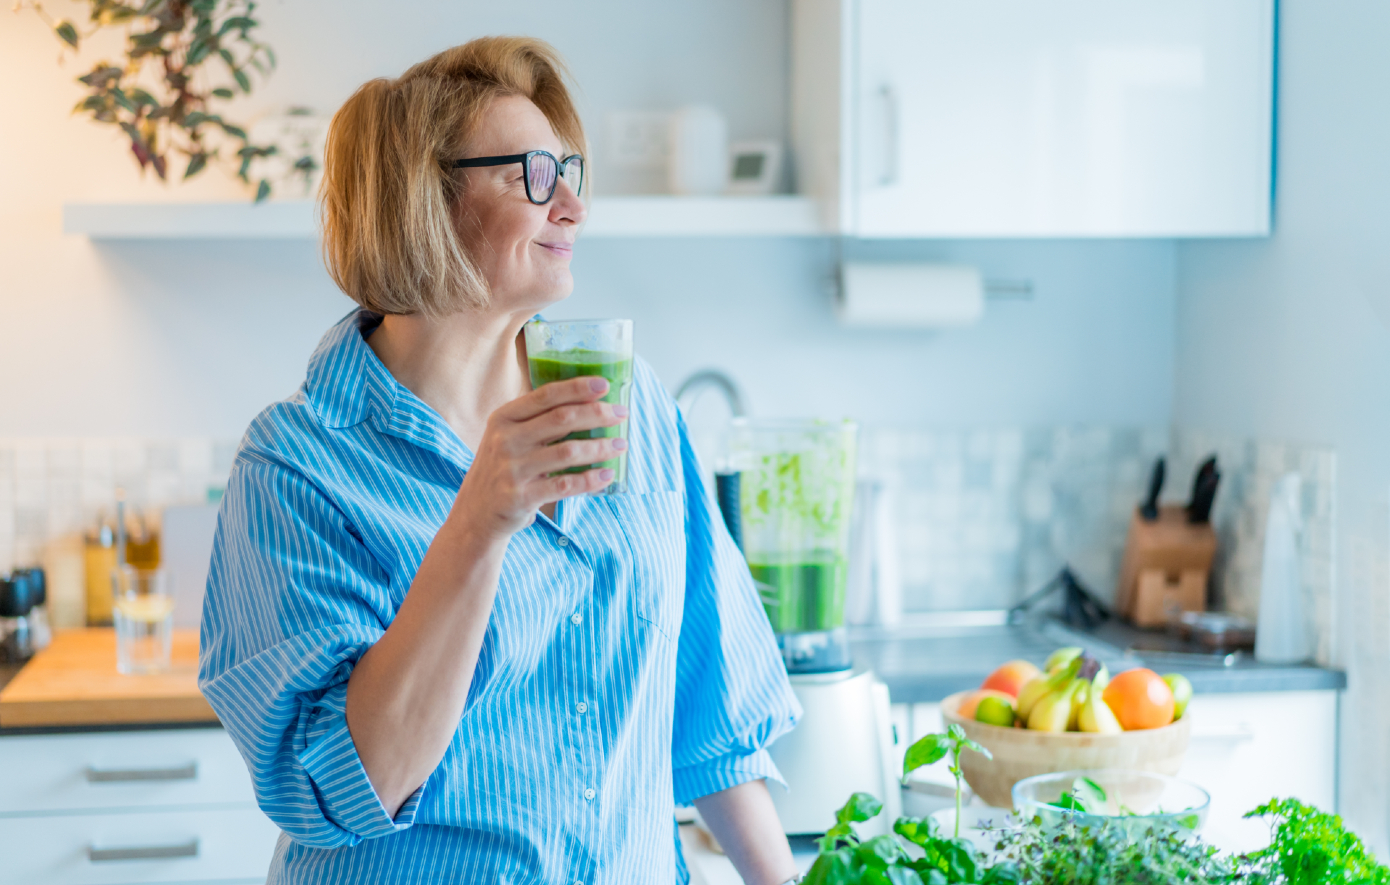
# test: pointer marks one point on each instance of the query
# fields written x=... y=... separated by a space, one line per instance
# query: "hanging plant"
x=182 y=59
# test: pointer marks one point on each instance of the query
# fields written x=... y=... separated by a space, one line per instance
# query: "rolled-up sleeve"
x=293 y=600
x=733 y=699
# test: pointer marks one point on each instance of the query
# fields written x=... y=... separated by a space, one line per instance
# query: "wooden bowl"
x=1020 y=753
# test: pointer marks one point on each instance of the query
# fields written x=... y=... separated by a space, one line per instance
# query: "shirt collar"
x=346 y=382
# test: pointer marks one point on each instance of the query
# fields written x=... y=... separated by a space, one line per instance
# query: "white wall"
x=193 y=338
x=1289 y=338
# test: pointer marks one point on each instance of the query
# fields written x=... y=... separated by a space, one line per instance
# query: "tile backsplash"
x=52 y=488
x=982 y=516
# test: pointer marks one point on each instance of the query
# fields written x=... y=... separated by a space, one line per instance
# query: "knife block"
x=1165 y=567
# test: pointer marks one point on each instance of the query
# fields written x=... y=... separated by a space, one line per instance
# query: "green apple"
x=1182 y=693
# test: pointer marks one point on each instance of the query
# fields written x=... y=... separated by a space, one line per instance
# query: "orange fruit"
x=971 y=702
x=1011 y=677
x=1140 y=699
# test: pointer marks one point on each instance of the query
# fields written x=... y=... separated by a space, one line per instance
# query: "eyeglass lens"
x=540 y=175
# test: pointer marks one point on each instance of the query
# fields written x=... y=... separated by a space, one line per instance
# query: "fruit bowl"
x=1020 y=753
x=1136 y=801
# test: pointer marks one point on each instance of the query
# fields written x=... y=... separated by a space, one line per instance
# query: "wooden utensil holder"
x=1165 y=567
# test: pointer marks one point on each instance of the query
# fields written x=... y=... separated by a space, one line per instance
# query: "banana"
x=1039 y=687
x=1061 y=657
x=1052 y=712
x=1078 y=700
x=1096 y=717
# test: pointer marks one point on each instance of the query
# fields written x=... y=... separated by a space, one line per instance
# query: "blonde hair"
x=388 y=195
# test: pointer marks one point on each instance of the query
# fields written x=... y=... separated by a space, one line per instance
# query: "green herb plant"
x=1311 y=847
x=182 y=59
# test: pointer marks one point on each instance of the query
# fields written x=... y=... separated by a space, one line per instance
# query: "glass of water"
x=143 y=612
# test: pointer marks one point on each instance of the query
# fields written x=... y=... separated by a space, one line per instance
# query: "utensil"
x=1149 y=509
x=578 y=348
x=1203 y=492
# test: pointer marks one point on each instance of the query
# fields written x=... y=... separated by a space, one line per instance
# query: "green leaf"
x=194 y=119
x=242 y=80
x=198 y=52
x=903 y=876
x=66 y=32
x=119 y=96
x=880 y=852
x=223 y=92
x=860 y=807
x=971 y=745
x=236 y=23
x=917 y=830
x=833 y=868
x=1091 y=794
x=233 y=131
x=195 y=165
x=142 y=98
x=101 y=76
x=228 y=58
x=262 y=191
x=929 y=750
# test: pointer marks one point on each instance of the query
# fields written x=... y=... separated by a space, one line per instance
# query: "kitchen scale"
x=786 y=493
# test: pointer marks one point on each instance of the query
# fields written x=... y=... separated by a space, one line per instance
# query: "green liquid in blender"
x=561 y=365
x=803 y=596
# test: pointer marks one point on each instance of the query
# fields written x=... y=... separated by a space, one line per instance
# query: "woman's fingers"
x=585 y=389
x=561 y=421
x=574 y=453
x=569 y=484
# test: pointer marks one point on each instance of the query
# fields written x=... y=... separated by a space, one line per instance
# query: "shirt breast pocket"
x=653 y=525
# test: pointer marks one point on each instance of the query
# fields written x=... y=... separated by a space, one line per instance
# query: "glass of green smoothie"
x=556 y=351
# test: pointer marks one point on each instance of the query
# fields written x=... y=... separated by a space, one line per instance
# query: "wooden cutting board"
x=74 y=682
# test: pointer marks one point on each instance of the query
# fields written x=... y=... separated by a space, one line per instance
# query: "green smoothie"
x=806 y=595
x=560 y=365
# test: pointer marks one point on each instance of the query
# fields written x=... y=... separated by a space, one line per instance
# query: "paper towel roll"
x=909 y=296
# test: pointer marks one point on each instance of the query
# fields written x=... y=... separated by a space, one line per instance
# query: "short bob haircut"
x=388 y=197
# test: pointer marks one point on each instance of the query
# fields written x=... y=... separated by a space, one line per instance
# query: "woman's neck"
x=463 y=366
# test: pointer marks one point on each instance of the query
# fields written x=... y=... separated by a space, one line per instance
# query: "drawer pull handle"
x=187 y=772
x=144 y=852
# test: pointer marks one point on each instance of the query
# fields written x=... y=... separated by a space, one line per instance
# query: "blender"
x=786 y=494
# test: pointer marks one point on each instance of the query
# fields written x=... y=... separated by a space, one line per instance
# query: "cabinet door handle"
x=143 y=852
x=1237 y=735
x=186 y=772
x=890 y=136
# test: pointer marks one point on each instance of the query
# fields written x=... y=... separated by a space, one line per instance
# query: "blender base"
x=820 y=651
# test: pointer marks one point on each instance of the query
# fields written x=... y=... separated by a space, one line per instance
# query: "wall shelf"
x=634 y=216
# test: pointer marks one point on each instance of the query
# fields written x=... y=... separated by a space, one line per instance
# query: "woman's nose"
x=566 y=205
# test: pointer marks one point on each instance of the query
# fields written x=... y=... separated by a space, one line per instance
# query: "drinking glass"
x=574 y=348
x=143 y=612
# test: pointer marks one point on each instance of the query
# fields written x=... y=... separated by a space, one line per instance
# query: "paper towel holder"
x=917 y=294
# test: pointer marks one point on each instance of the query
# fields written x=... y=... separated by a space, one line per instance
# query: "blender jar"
x=796 y=489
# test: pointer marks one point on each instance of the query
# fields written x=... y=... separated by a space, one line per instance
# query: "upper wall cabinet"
x=1035 y=118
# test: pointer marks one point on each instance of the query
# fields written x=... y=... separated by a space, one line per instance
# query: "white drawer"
x=229 y=845
x=126 y=769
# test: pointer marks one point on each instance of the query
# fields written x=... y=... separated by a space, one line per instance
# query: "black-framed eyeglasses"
x=542 y=171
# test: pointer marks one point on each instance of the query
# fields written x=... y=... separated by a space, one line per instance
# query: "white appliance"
x=844 y=744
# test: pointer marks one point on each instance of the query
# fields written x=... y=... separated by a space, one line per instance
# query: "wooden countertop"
x=74 y=682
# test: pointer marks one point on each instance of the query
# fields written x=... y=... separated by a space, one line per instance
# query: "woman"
x=439 y=660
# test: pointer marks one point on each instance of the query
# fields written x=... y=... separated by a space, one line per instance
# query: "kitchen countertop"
x=73 y=686
x=919 y=665
x=925 y=664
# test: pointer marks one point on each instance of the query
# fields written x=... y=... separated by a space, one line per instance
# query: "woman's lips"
x=563 y=250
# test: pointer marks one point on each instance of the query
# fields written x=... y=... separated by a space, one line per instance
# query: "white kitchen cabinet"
x=129 y=806
x=1035 y=118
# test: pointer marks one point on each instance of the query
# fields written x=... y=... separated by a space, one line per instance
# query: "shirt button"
x=589 y=793
x=576 y=618
x=581 y=707
x=562 y=541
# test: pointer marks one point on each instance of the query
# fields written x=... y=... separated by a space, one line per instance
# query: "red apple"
x=1011 y=677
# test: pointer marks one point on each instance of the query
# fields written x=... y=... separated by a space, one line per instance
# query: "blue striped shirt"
x=627 y=662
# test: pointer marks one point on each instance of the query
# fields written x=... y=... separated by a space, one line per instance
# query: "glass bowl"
x=1135 y=800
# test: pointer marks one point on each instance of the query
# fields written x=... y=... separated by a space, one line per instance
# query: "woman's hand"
x=511 y=474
